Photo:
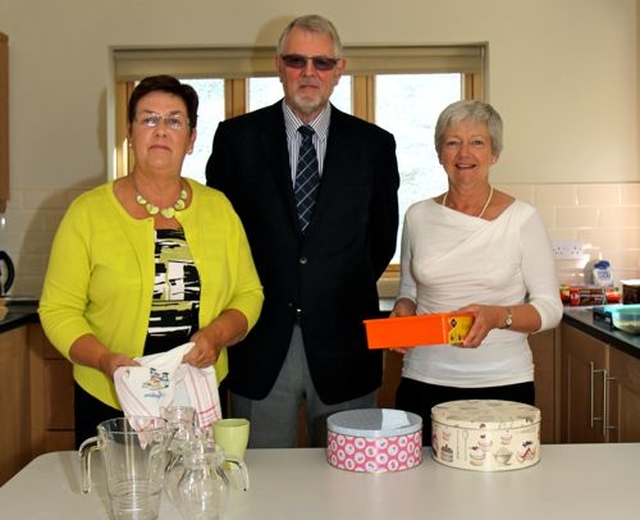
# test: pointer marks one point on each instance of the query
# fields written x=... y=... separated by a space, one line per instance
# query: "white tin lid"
x=485 y=413
x=374 y=422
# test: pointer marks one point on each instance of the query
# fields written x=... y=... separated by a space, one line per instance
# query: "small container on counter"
x=373 y=440
x=602 y=276
x=630 y=291
x=485 y=435
x=580 y=295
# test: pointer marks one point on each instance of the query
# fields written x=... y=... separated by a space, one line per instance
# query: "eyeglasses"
x=297 y=61
x=173 y=121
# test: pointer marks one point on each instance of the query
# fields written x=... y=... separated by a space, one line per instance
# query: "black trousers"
x=417 y=397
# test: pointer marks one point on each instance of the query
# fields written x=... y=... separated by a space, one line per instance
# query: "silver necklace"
x=484 y=208
x=169 y=211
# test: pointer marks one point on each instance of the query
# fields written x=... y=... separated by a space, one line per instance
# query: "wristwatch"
x=508 y=320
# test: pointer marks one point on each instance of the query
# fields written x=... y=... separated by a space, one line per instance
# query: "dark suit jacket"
x=330 y=272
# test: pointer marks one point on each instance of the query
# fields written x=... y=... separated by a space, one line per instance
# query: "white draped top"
x=449 y=260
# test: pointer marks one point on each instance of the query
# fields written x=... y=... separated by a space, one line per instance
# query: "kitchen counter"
x=21 y=312
x=585 y=481
x=582 y=319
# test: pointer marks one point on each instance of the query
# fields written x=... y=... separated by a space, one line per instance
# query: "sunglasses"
x=297 y=61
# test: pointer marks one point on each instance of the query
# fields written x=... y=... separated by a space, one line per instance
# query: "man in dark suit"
x=319 y=271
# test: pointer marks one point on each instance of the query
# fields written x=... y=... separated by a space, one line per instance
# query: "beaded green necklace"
x=169 y=211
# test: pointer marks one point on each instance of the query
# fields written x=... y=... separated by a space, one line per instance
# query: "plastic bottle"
x=602 y=276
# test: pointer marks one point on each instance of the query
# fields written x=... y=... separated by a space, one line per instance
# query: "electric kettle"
x=7 y=272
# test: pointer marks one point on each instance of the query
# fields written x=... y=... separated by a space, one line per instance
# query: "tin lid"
x=485 y=413
x=374 y=422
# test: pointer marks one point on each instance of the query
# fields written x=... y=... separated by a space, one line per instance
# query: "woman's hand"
x=87 y=350
x=486 y=317
x=111 y=361
x=403 y=307
x=205 y=352
x=225 y=330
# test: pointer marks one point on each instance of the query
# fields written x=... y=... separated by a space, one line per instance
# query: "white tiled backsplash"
x=605 y=217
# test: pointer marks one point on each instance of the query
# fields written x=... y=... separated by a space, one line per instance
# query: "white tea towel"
x=164 y=380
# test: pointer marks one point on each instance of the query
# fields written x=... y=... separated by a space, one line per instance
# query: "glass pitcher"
x=182 y=422
x=202 y=491
x=134 y=452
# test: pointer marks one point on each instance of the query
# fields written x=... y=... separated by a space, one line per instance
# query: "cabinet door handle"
x=606 y=380
x=592 y=399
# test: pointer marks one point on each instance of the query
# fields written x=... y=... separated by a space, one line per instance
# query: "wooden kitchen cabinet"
x=600 y=390
x=624 y=371
x=391 y=373
x=36 y=399
x=4 y=121
x=52 y=420
x=15 y=448
x=545 y=348
x=584 y=365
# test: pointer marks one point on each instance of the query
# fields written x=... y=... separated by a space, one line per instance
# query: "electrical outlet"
x=568 y=249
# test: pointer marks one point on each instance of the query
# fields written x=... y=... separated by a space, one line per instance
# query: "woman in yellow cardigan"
x=148 y=262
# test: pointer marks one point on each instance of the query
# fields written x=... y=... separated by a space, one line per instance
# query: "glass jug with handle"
x=182 y=422
x=134 y=453
x=202 y=491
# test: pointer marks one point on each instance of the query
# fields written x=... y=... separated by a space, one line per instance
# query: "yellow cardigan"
x=101 y=270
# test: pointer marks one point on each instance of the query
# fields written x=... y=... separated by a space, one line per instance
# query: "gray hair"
x=476 y=112
x=315 y=24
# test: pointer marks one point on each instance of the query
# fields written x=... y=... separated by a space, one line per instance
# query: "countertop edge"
x=623 y=341
x=20 y=313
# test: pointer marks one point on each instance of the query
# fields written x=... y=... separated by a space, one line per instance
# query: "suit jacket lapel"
x=276 y=152
x=335 y=161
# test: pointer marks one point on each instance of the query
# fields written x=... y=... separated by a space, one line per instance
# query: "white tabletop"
x=580 y=481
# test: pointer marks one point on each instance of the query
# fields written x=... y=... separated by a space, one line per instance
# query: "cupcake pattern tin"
x=485 y=435
x=374 y=440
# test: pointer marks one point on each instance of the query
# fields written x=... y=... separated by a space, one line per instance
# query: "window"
x=402 y=89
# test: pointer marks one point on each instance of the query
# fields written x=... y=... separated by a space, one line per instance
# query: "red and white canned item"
x=374 y=440
x=587 y=295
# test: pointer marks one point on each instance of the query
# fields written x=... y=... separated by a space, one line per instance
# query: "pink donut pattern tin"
x=485 y=435
x=373 y=440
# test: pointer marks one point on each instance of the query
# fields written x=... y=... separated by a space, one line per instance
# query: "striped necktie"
x=307 y=177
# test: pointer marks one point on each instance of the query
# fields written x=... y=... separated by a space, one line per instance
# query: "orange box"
x=411 y=331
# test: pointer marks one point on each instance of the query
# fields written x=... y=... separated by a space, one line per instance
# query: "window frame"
x=238 y=64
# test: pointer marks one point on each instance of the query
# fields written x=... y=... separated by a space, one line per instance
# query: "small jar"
x=181 y=421
x=203 y=489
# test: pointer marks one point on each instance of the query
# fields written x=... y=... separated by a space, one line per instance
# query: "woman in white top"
x=479 y=250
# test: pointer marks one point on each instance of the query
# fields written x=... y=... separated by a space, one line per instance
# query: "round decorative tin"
x=485 y=435
x=373 y=440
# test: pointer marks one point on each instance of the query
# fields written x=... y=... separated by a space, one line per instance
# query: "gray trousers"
x=274 y=419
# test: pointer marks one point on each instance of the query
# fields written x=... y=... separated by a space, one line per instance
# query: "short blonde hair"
x=475 y=112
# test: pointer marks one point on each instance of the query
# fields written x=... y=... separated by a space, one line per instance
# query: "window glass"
x=408 y=105
x=210 y=113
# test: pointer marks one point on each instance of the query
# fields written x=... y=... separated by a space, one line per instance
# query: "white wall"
x=563 y=73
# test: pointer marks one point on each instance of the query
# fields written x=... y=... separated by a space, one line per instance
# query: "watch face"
x=509 y=320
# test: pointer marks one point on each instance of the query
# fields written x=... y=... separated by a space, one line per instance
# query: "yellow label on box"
x=459 y=327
